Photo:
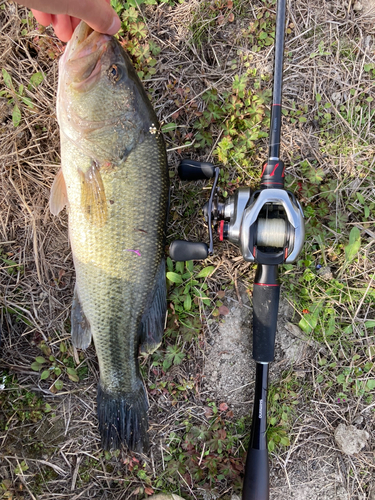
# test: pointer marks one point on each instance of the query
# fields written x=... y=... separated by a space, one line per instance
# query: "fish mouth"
x=83 y=59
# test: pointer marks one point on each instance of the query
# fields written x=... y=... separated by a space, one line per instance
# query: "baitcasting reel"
x=267 y=225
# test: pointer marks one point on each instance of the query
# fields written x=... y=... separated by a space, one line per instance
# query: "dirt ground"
x=58 y=456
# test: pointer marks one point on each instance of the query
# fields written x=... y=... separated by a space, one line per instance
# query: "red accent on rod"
x=221 y=230
x=264 y=168
x=274 y=170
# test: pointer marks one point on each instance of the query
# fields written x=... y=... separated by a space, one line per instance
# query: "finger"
x=97 y=14
x=62 y=25
x=75 y=22
x=42 y=18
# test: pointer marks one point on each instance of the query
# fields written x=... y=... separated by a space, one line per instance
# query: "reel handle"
x=182 y=250
x=191 y=170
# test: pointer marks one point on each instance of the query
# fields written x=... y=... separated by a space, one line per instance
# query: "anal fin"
x=81 y=331
x=154 y=317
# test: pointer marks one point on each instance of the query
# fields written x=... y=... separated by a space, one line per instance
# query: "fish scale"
x=114 y=180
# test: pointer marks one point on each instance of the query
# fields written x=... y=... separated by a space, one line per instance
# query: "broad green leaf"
x=40 y=359
x=370 y=323
x=59 y=385
x=370 y=384
x=36 y=366
x=180 y=267
x=174 y=277
x=187 y=303
x=361 y=198
x=351 y=250
x=27 y=101
x=206 y=272
x=190 y=265
x=48 y=408
x=285 y=441
x=45 y=374
x=16 y=116
x=168 y=127
x=36 y=79
x=74 y=378
x=7 y=79
x=71 y=371
x=169 y=264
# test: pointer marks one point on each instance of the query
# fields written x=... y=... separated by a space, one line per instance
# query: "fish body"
x=114 y=181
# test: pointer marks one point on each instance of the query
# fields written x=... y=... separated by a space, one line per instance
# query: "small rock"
x=349 y=439
x=325 y=273
x=357 y=7
x=336 y=98
x=358 y=420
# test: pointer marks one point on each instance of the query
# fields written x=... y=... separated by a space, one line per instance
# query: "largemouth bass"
x=114 y=181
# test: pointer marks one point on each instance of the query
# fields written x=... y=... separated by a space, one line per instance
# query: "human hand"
x=65 y=15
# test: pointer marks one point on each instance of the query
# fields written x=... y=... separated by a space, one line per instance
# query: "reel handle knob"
x=191 y=170
x=182 y=250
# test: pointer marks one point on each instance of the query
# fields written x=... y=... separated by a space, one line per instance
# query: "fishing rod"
x=268 y=227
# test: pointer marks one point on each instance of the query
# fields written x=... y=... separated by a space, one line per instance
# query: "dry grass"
x=61 y=449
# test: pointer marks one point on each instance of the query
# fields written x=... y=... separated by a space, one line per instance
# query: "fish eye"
x=114 y=73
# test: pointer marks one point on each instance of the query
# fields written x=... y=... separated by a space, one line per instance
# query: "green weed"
x=283 y=397
x=17 y=98
x=18 y=405
x=209 y=451
x=134 y=35
x=55 y=368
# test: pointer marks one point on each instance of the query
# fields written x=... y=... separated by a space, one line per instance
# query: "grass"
x=207 y=68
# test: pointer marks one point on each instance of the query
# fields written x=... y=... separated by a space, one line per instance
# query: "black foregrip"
x=191 y=170
x=181 y=250
x=265 y=306
x=266 y=295
x=256 y=483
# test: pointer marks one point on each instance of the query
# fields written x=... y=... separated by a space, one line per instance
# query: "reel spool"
x=271 y=233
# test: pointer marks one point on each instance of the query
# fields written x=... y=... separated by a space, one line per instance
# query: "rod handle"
x=256 y=482
x=191 y=170
x=182 y=250
x=265 y=309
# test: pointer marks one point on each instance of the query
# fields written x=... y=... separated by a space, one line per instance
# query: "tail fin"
x=123 y=419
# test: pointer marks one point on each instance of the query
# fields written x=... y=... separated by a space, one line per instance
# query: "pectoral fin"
x=58 y=197
x=154 y=317
x=81 y=331
x=93 y=198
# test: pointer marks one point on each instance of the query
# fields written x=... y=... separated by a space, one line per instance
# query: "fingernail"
x=115 y=26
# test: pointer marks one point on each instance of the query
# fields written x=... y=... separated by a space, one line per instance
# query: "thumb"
x=98 y=14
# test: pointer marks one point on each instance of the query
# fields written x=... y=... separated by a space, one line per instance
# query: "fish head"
x=101 y=103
